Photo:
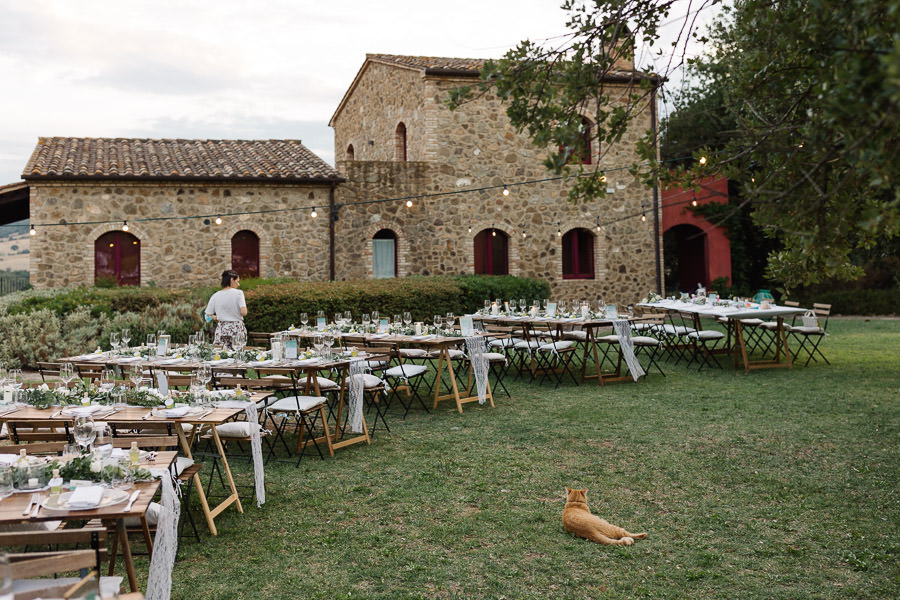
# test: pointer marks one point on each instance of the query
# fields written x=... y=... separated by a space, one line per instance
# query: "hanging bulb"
x=603 y=178
x=32 y=231
x=694 y=202
x=643 y=218
x=524 y=235
x=409 y=204
x=493 y=231
x=598 y=223
x=218 y=219
x=314 y=214
x=702 y=160
x=558 y=230
x=470 y=228
x=505 y=191
x=124 y=225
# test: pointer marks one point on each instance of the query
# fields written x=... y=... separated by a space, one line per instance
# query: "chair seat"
x=644 y=340
x=296 y=403
x=579 y=336
x=751 y=322
x=376 y=364
x=526 y=344
x=706 y=335
x=806 y=329
x=109 y=586
x=495 y=357
x=644 y=326
x=324 y=383
x=237 y=430
x=504 y=342
x=678 y=329
x=182 y=463
x=771 y=325
x=369 y=381
x=152 y=515
x=406 y=370
x=413 y=353
x=608 y=339
x=453 y=352
x=556 y=346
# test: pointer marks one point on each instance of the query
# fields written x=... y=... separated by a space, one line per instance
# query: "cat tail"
x=637 y=536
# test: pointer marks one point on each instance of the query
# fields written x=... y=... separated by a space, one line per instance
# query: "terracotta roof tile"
x=166 y=158
x=431 y=62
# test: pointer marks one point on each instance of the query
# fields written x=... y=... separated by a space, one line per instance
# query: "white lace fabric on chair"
x=475 y=346
x=259 y=474
x=357 y=384
x=626 y=346
x=165 y=546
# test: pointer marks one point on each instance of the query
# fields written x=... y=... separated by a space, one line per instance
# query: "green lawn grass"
x=776 y=484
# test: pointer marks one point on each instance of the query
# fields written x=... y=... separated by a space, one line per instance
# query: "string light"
x=314 y=214
x=409 y=204
x=603 y=177
x=694 y=201
x=558 y=230
x=598 y=223
x=524 y=235
x=32 y=231
x=643 y=218
x=218 y=219
x=493 y=231
x=470 y=228
x=505 y=191
x=702 y=160
x=124 y=225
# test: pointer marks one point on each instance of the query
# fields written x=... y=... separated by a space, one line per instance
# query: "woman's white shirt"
x=226 y=304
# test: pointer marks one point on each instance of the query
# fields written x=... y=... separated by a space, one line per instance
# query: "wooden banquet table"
x=735 y=314
x=12 y=507
x=137 y=416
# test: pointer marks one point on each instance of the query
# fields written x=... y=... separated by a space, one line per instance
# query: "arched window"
x=491 y=252
x=578 y=254
x=245 y=253
x=117 y=255
x=384 y=254
x=400 y=143
x=586 y=141
x=351 y=155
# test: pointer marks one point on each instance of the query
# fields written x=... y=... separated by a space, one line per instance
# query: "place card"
x=162 y=383
x=551 y=309
x=466 y=326
x=290 y=349
x=162 y=345
x=384 y=325
x=611 y=312
x=321 y=323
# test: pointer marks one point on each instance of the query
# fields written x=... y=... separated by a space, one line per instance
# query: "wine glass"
x=125 y=336
x=83 y=431
x=135 y=374
x=67 y=373
x=14 y=377
x=437 y=320
x=200 y=337
x=318 y=342
x=107 y=380
x=348 y=317
x=204 y=374
x=114 y=340
x=366 y=319
x=328 y=343
x=239 y=340
x=151 y=340
x=561 y=307
x=375 y=316
x=304 y=319
x=407 y=318
x=512 y=305
x=451 y=319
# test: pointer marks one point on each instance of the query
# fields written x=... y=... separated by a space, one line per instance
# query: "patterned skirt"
x=226 y=330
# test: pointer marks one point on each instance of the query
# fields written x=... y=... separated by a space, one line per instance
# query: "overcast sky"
x=214 y=69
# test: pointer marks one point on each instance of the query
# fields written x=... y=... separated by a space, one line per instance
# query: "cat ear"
x=567 y=489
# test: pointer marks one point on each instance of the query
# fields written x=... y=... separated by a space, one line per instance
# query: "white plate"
x=60 y=503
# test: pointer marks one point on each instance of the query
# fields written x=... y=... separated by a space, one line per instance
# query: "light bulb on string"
x=493 y=231
x=218 y=219
x=505 y=191
x=314 y=214
x=643 y=218
x=124 y=225
x=524 y=235
x=598 y=223
x=470 y=228
x=702 y=160
x=603 y=177
x=409 y=204
x=694 y=201
x=32 y=231
x=558 y=229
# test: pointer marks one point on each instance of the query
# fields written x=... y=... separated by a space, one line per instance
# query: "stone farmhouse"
x=417 y=189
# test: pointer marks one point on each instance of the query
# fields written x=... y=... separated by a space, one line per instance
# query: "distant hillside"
x=14 y=251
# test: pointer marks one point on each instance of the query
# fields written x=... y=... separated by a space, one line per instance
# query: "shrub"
x=853 y=302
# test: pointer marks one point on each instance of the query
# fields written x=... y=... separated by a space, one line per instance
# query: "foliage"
x=87 y=468
x=813 y=90
x=852 y=302
x=275 y=307
x=100 y=301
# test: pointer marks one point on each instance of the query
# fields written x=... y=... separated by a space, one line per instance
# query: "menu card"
x=290 y=348
x=321 y=323
x=466 y=326
x=551 y=309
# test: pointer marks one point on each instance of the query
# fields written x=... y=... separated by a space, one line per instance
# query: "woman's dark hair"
x=228 y=276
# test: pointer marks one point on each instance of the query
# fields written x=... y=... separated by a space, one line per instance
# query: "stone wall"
x=476 y=147
x=177 y=252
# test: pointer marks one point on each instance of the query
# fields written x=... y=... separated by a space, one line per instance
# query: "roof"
x=167 y=159
x=441 y=66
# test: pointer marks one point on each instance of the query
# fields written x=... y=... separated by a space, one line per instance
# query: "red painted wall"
x=677 y=203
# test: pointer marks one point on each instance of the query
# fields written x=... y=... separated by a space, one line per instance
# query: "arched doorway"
x=117 y=256
x=685 y=250
x=491 y=252
x=245 y=253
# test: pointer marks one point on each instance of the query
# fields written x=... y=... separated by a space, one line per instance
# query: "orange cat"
x=578 y=519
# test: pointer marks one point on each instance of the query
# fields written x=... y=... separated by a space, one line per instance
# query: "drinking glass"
x=487 y=306
x=366 y=319
x=200 y=337
x=83 y=431
x=328 y=343
x=101 y=439
x=67 y=373
x=14 y=378
x=118 y=397
x=451 y=319
x=151 y=340
x=348 y=317
x=318 y=342
x=437 y=321
x=107 y=380
x=192 y=340
x=544 y=303
x=135 y=374
x=396 y=322
x=114 y=340
x=3 y=375
x=239 y=340
x=204 y=374
x=125 y=337
x=304 y=319
x=512 y=306
x=375 y=316
x=523 y=305
x=70 y=451
x=407 y=318
x=338 y=319
x=561 y=307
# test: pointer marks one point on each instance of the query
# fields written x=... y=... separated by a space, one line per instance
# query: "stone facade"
x=177 y=252
x=469 y=148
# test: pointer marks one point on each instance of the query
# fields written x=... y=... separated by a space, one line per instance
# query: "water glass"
x=523 y=305
x=83 y=431
x=70 y=451
x=407 y=318
x=348 y=317
x=114 y=340
x=135 y=374
x=151 y=340
x=125 y=336
x=239 y=340
x=67 y=373
x=107 y=380
x=6 y=480
x=437 y=320
x=304 y=319
x=200 y=337
x=451 y=319
x=14 y=378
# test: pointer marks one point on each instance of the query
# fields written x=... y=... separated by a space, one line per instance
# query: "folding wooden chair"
x=811 y=335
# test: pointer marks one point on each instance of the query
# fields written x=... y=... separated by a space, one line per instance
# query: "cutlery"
x=203 y=414
x=37 y=506
x=27 y=510
x=134 y=496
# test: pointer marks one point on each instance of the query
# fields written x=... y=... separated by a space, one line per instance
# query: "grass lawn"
x=776 y=484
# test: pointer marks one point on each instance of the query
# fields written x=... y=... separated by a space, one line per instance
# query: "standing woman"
x=228 y=308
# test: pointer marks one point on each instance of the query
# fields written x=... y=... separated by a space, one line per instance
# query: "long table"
x=11 y=509
x=735 y=315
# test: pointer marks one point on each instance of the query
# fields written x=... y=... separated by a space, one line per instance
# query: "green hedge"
x=853 y=302
x=101 y=301
x=274 y=307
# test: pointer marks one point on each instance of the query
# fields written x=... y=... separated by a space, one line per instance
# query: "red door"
x=245 y=253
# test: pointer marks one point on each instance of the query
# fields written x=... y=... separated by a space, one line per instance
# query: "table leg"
x=122 y=536
x=204 y=504
x=741 y=346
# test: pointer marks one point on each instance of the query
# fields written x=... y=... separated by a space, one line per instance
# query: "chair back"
x=52 y=448
x=152 y=442
x=48 y=369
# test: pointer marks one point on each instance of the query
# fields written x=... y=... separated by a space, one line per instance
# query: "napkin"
x=8 y=459
x=130 y=359
x=84 y=498
x=221 y=361
x=83 y=411
x=175 y=413
x=171 y=361
x=232 y=404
